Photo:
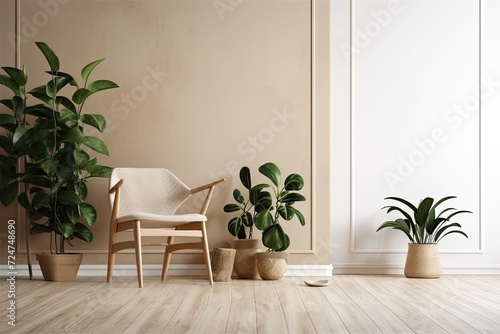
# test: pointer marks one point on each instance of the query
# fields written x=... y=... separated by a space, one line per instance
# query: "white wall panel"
x=413 y=124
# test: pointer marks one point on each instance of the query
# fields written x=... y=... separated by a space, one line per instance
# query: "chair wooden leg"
x=166 y=258
x=206 y=253
x=111 y=263
x=138 y=252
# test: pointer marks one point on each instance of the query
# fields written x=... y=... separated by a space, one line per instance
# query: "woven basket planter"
x=222 y=262
x=422 y=261
x=244 y=260
x=272 y=265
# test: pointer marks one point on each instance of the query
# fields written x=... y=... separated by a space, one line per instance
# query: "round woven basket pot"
x=271 y=265
x=244 y=259
x=422 y=261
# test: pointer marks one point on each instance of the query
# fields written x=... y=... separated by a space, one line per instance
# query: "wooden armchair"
x=144 y=201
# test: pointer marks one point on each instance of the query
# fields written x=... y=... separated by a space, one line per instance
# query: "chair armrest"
x=206 y=186
x=116 y=186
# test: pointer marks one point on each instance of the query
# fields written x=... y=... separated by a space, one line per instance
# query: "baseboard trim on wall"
x=393 y=269
x=155 y=270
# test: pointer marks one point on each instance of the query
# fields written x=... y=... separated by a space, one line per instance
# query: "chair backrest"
x=153 y=190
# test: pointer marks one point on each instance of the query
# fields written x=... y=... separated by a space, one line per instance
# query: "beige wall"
x=205 y=88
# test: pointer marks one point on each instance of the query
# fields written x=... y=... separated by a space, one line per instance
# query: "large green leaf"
x=7 y=119
x=89 y=68
x=272 y=172
x=292 y=197
x=231 y=207
x=67 y=229
x=245 y=177
x=81 y=95
x=10 y=83
x=286 y=212
x=81 y=157
x=68 y=197
x=68 y=115
x=73 y=135
x=423 y=211
x=398 y=224
x=41 y=94
x=264 y=219
x=41 y=199
x=275 y=238
x=20 y=131
x=19 y=76
x=99 y=170
x=36 y=180
x=8 y=194
x=247 y=219
x=67 y=103
x=405 y=202
x=96 y=144
x=234 y=226
x=294 y=182
x=82 y=232
x=238 y=197
x=49 y=166
x=95 y=120
x=299 y=214
x=18 y=106
x=100 y=85
x=88 y=213
x=49 y=55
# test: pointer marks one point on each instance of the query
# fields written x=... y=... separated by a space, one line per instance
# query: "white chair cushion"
x=174 y=219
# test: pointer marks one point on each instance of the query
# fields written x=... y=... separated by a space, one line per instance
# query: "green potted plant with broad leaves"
x=424 y=228
x=267 y=206
x=242 y=226
x=49 y=139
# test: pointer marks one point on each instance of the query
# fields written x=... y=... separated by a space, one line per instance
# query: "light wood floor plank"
x=353 y=317
x=296 y=316
x=380 y=315
x=216 y=313
x=448 y=299
x=270 y=315
x=322 y=314
x=351 y=304
x=410 y=315
x=242 y=316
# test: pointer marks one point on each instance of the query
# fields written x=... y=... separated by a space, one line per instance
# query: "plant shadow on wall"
x=48 y=138
x=266 y=205
x=424 y=230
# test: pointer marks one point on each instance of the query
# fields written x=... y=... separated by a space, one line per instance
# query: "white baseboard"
x=292 y=270
x=385 y=269
x=155 y=270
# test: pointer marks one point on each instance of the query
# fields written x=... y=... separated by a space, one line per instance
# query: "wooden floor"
x=351 y=304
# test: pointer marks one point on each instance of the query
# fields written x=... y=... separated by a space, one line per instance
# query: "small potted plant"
x=424 y=229
x=268 y=204
x=48 y=139
x=242 y=226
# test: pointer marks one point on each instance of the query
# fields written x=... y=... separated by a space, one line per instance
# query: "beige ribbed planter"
x=244 y=259
x=422 y=261
x=272 y=265
x=59 y=267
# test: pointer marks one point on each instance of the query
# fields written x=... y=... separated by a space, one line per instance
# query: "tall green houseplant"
x=49 y=137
